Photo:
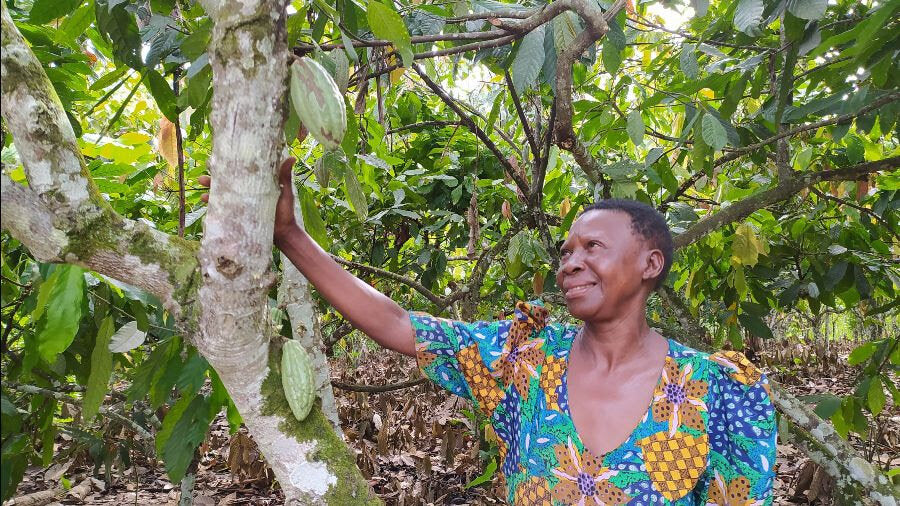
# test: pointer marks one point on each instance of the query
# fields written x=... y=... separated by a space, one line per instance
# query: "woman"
x=608 y=412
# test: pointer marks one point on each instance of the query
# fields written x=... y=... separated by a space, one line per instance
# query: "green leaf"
x=861 y=353
x=713 y=132
x=611 y=56
x=152 y=368
x=529 y=59
x=76 y=23
x=565 y=28
x=387 y=24
x=191 y=429
x=635 y=127
x=484 y=477
x=808 y=9
x=312 y=220
x=616 y=35
x=101 y=370
x=43 y=11
x=862 y=284
x=341 y=70
x=196 y=43
x=755 y=325
x=355 y=194
x=127 y=338
x=687 y=60
x=834 y=275
x=117 y=26
x=828 y=406
x=59 y=321
x=748 y=16
x=700 y=7
x=192 y=375
x=876 y=397
x=163 y=94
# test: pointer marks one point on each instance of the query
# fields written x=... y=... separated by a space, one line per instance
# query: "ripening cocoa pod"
x=506 y=210
x=297 y=379
x=318 y=102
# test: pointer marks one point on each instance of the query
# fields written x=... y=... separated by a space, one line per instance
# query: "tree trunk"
x=219 y=295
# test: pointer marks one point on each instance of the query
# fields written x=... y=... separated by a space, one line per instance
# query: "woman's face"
x=602 y=266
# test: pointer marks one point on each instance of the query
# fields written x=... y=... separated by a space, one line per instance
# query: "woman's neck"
x=610 y=344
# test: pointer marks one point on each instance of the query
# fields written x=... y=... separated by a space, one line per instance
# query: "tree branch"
x=423 y=124
x=467 y=121
x=563 y=130
x=529 y=134
x=415 y=285
x=62 y=397
x=838 y=120
x=737 y=153
x=43 y=135
x=862 y=209
x=782 y=191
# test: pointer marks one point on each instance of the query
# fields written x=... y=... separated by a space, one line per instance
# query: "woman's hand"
x=366 y=308
x=285 y=223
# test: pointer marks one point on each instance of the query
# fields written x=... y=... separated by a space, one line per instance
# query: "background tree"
x=476 y=130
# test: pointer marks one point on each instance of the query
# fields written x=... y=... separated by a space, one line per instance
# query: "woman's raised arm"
x=363 y=306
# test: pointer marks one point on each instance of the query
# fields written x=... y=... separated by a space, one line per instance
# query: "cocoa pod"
x=297 y=379
x=318 y=102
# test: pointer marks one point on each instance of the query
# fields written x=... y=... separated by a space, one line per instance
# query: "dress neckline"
x=568 y=413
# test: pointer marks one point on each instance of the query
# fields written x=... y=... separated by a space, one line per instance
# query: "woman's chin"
x=580 y=310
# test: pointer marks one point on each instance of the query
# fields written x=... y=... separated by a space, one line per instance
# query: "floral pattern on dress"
x=734 y=493
x=583 y=479
x=707 y=437
x=678 y=399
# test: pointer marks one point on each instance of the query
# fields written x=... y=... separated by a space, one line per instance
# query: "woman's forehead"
x=601 y=221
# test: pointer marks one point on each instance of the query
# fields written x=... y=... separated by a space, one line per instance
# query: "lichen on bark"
x=351 y=487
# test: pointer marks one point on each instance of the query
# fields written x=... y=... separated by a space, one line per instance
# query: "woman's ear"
x=653 y=264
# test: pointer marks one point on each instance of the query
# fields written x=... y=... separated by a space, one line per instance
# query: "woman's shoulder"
x=726 y=366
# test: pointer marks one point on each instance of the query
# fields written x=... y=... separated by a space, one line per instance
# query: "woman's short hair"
x=646 y=222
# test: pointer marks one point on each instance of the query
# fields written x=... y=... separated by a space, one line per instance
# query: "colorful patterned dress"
x=708 y=436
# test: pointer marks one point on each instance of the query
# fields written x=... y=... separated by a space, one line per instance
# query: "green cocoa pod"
x=297 y=379
x=318 y=102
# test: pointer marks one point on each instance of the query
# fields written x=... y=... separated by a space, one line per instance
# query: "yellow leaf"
x=166 y=142
x=538 y=283
x=646 y=58
x=398 y=72
x=708 y=93
x=134 y=138
x=565 y=207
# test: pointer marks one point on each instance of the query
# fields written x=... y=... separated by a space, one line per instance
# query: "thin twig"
x=179 y=145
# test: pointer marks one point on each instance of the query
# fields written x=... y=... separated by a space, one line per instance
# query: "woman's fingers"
x=285 y=174
x=204 y=181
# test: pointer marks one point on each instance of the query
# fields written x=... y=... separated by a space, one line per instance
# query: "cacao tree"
x=470 y=135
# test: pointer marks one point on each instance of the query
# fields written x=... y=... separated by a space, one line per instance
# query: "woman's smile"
x=577 y=290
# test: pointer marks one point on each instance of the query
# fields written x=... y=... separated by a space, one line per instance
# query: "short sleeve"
x=742 y=432
x=457 y=356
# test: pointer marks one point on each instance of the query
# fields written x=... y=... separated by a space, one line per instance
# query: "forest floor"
x=417 y=446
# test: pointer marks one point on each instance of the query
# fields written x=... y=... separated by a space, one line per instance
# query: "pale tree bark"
x=218 y=294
